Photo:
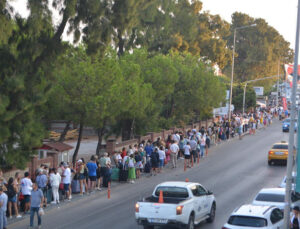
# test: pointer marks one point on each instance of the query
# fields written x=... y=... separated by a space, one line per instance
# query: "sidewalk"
x=114 y=184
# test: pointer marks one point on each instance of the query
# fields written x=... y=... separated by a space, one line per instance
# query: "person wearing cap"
x=3 y=206
x=295 y=220
x=67 y=180
x=80 y=172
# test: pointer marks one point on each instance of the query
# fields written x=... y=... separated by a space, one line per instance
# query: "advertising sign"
x=259 y=91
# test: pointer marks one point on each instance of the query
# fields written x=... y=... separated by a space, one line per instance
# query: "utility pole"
x=277 y=104
x=292 y=132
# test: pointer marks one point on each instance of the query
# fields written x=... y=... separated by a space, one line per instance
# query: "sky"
x=280 y=14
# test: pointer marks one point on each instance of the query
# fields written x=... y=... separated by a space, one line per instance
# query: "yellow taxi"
x=278 y=153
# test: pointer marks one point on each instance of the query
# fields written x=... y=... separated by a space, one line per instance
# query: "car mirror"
x=209 y=192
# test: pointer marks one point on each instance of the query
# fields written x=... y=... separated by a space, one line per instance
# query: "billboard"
x=259 y=91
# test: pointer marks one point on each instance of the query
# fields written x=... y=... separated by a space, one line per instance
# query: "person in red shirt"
x=124 y=153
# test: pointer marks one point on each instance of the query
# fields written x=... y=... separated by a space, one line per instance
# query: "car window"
x=175 y=192
x=268 y=197
x=287 y=120
x=247 y=221
x=198 y=190
x=279 y=146
x=276 y=216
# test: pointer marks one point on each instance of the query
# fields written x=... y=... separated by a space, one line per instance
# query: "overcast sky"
x=281 y=14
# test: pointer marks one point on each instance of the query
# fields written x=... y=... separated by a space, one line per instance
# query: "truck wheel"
x=212 y=213
x=191 y=224
x=148 y=227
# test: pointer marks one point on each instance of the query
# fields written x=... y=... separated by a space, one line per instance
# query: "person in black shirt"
x=295 y=221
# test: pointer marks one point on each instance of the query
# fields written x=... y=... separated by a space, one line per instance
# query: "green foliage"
x=238 y=94
x=258 y=49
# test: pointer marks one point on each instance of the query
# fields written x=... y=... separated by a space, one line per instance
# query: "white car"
x=274 y=197
x=253 y=216
x=283 y=182
x=184 y=205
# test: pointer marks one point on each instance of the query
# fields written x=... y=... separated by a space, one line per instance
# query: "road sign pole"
x=292 y=132
x=297 y=157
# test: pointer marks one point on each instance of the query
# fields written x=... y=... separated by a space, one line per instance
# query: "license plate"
x=279 y=153
x=162 y=221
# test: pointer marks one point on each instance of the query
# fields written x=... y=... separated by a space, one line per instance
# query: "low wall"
x=112 y=145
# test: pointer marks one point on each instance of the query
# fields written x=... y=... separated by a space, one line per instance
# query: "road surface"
x=235 y=171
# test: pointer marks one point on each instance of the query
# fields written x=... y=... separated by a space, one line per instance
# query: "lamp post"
x=290 y=160
x=232 y=66
x=250 y=81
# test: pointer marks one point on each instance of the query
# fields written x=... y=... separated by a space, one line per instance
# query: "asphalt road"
x=235 y=171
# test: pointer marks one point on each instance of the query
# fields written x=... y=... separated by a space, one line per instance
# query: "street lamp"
x=232 y=67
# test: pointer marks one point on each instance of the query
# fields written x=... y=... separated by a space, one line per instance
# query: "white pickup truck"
x=185 y=204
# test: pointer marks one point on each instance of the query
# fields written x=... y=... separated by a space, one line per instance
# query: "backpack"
x=11 y=191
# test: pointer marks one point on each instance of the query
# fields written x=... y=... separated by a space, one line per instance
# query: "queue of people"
x=52 y=185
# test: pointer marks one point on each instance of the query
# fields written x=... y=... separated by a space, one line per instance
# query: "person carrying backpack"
x=12 y=191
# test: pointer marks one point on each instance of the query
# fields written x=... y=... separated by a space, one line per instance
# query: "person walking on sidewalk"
x=295 y=220
x=3 y=205
x=36 y=203
x=174 y=151
x=55 y=180
x=41 y=181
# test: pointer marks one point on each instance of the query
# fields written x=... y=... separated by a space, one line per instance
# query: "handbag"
x=21 y=197
x=41 y=212
x=61 y=186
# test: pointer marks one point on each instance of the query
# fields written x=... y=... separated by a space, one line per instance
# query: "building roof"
x=57 y=146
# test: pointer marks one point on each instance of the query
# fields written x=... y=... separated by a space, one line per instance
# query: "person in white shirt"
x=162 y=156
x=174 y=151
x=3 y=208
x=187 y=154
x=55 y=180
x=26 y=187
x=67 y=180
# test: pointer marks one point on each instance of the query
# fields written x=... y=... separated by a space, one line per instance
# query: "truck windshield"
x=176 y=192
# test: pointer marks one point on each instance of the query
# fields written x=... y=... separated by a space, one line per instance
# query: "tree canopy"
x=133 y=66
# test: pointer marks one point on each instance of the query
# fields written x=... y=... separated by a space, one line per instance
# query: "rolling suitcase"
x=147 y=168
x=123 y=175
x=115 y=174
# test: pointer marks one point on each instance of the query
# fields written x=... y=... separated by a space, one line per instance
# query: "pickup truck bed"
x=167 y=200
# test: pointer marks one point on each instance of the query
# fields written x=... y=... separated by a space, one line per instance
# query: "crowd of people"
x=51 y=185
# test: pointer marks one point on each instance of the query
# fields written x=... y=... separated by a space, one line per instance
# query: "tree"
x=258 y=49
x=238 y=95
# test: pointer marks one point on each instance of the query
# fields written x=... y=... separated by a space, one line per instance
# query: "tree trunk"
x=64 y=133
x=100 y=132
x=120 y=44
x=78 y=142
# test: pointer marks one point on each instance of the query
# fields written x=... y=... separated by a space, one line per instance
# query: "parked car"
x=252 y=216
x=286 y=125
x=275 y=197
x=185 y=204
x=283 y=182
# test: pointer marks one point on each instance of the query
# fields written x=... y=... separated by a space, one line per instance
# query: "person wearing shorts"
x=187 y=155
x=92 y=170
